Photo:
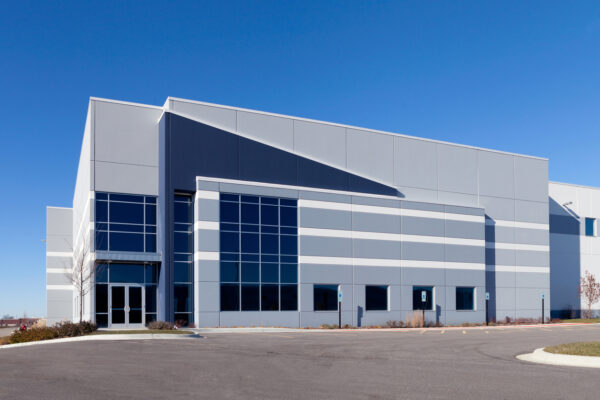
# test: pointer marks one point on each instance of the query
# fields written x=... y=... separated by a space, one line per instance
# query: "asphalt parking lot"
x=434 y=364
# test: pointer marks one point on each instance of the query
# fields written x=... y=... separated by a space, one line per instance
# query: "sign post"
x=487 y=301
x=542 y=308
x=423 y=301
x=340 y=307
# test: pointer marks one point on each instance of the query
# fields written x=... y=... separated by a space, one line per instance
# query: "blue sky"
x=519 y=76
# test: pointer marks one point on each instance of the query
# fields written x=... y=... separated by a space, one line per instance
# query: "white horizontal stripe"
x=513 y=268
x=398 y=237
x=517 y=246
x=329 y=205
x=206 y=255
x=59 y=254
x=58 y=270
x=59 y=287
x=516 y=224
x=208 y=225
x=206 y=194
x=380 y=262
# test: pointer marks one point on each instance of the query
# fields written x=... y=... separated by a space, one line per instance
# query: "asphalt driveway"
x=436 y=364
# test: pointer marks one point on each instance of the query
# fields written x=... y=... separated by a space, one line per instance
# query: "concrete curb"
x=541 y=356
x=319 y=330
x=137 y=336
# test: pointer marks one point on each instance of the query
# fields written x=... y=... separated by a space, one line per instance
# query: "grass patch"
x=144 y=331
x=576 y=349
x=3 y=340
x=581 y=321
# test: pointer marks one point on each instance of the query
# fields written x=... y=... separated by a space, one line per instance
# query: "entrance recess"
x=127 y=306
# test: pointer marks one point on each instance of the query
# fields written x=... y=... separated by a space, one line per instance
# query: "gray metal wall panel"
x=506 y=299
x=325 y=274
x=327 y=219
x=206 y=240
x=528 y=211
x=374 y=201
x=532 y=258
x=58 y=279
x=256 y=318
x=414 y=205
x=207 y=271
x=422 y=277
x=321 y=196
x=325 y=246
x=451 y=160
x=376 y=249
x=533 y=280
x=470 y=254
x=496 y=174
x=531 y=179
x=465 y=230
x=208 y=292
x=497 y=208
x=126 y=178
x=465 y=278
x=415 y=163
x=370 y=155
x=500 y=257
x=504 y=279
x=216 y=116
x=321 y=142
x=207 y=185
x=206 y=210
x=500 y=234
x=376 y=223
x=531 y=236
x=465 y=210
x=376 y=275
x=273 y=130
x=422 y=251
x=422 y=226
x=458 y=198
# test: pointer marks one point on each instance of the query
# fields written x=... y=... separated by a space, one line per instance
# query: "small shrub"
x=394 y=324
x=40 y=323
x=415 y=320
x=60 y=330
x=347 y=326
x=161 y=325
x=329 y=326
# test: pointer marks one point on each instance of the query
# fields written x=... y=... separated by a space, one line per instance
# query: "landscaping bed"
x=576 y=349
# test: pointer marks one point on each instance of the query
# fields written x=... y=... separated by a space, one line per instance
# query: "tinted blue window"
x=150 y=200
x=269 y=200
x=289 y=216
x=229 y=212
x=250 y=272
x=182 y=297
x=230 y=297
x=288 y=202
x=269 y=244
x=230 y=197
x=230 y=242
x=126 y=241
x=250 y=297
x=376 y=298
x=269 y=215
x=101 y=240
x=589 y=226
x=249 y=199
x=464 y=298
x=289 y=231
x=289 y=259
x=102 y=273
x=183 y=257
x=418 y=304
x=269 y=272
x=269 y=258
x=230 y=272
x=151 y=273
x=151 y=215
x=269 y=297
x=325 y=297
x=249 y=213
x=126 y=273
x=182 y=212
x=230 y=227
x=102 y=298
x=289 y=244
x=182 y=272
x=150 y=229
x=126 y=197
x=127 y=228
x=130 y=213
x=101 y=196
x=230 y=257
x=250 y=228
x=150 y=244
x=250 y=243
x=289 y=273
x=250 y=257
x=101 y=211
x=150 y=298
x=269 y=229
x=289 y=297
x=182 y=242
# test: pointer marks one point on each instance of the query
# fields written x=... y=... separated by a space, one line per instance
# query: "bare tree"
x=589 y=289
x=81 y=274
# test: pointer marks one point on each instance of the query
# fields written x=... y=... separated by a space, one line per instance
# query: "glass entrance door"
x=127 y=306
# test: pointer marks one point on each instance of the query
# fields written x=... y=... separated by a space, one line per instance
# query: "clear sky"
x=519 y=76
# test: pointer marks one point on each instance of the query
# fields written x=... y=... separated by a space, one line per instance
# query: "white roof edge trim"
x=282 y=149
x=574 y=185
x=349 y=127
x=311 y=189
x=62 y=208
x=126 y=103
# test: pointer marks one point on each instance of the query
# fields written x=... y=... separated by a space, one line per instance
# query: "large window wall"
x=125 y=222
x=183 y=249
x=259 y=253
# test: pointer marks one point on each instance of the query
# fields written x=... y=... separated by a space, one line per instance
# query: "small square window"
x=465 y=298
x=590 y=227
x=418 y=303
x=376 y=298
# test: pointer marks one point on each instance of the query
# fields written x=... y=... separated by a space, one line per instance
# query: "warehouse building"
x=220 y=216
